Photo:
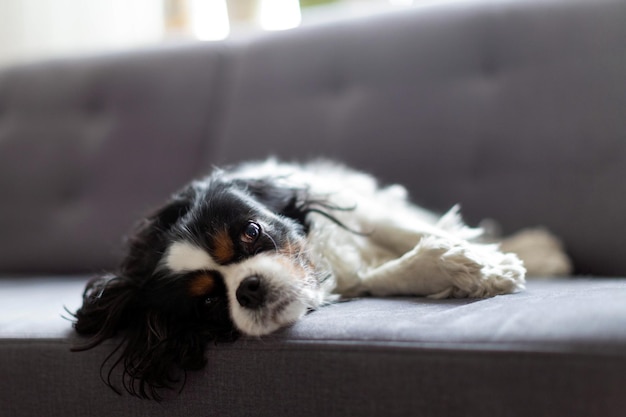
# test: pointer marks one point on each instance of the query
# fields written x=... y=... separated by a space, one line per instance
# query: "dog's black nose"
x=251 y=293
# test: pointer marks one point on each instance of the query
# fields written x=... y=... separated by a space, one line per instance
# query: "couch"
x=516 y=109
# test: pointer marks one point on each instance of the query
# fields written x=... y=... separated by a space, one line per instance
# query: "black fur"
x=162 y=328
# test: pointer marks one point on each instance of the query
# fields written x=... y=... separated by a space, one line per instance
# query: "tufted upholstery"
x=513 y=108
x=89 y=146
x=519 y=100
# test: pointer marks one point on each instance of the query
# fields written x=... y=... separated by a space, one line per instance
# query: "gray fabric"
x=575 y=315
x=513 y=108
x=327 y=381
x=89 y=146
x=556 y=349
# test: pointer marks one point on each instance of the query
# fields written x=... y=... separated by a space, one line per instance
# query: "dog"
x=252 y=249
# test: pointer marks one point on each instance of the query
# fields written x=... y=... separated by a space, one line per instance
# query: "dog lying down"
x=253 y=249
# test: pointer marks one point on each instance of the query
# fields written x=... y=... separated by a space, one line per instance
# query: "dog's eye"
x=210 y=300
x=251 y=233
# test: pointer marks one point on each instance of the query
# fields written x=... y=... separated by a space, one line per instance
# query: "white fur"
x=186 y=257
x=287 y=287
x=400 y=249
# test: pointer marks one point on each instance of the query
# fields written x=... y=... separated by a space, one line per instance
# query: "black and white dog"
x=252 y=249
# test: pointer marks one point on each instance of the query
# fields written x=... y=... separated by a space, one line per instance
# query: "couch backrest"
x=515 y=109
x=88 y=146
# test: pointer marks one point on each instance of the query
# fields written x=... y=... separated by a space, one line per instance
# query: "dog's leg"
x=438 y=267
x=400 y=236
x=426 y=256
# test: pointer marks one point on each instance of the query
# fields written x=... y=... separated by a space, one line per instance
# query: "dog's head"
x=223 y=257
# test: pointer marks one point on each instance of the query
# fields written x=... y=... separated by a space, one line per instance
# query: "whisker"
x=273 y=242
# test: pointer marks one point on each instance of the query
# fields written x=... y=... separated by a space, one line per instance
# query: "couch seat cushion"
x=558 y=348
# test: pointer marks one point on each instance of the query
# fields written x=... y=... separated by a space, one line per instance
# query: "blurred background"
x=39 y=29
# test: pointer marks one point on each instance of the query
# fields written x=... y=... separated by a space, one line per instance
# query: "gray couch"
x=515 y=109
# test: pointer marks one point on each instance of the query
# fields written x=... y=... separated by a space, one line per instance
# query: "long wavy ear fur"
x=105 y=309
x=152 y=345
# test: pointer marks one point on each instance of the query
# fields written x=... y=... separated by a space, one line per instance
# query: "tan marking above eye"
x=202 y=284
x=223 y=247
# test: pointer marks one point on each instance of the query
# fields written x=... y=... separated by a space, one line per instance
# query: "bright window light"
x=401 y=2
x=209 y=19
x=279 y=14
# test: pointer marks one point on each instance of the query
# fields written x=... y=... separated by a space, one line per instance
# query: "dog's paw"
x=475 y=270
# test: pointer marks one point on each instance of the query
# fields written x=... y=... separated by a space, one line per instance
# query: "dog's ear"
x=115 y=303
x=106 y=300
x=154 y=345
x=288 y=201
x=105 y=309
x=293 y=202
x=157 y=351
x=148 y=240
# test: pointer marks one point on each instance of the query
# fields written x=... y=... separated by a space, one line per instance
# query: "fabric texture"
x=89 y=146
x=514 y=109
x=555 y=349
